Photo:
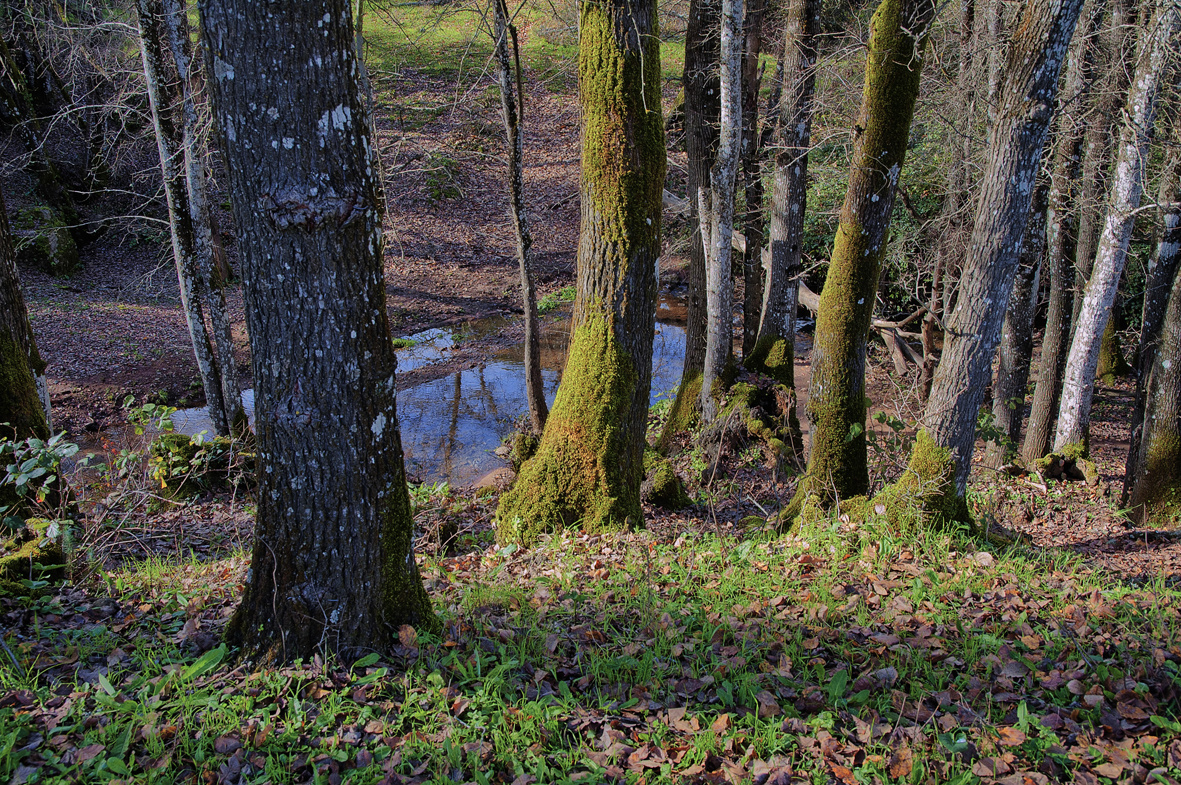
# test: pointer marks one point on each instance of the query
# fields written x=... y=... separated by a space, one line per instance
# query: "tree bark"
x=774 y=352
x=1116 y=45
x=752 y=177
x=1018 y=136
x=164 y=96
x=716 y=208
x=952 y=220
x=332 y=566
x=1016 y=347
x=23 y=411
x=836 y=406
x=1162 y=270
x=1157 y=40
x=195 y=146
x=1060 y=232
x=512 y=95
x=589 y=464
x=1156 y=476
x=702 y=108
x=16 y=109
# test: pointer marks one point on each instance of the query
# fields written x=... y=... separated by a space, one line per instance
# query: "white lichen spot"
x=341 y=117
x=222 y=69
x=273 y=112
x=288 y=142
x=378 y=425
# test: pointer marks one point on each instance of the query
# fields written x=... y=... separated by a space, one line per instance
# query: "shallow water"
x=451 y=425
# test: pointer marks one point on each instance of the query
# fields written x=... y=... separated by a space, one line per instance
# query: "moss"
x=576 y=477
x=524 y=447
x=20 y=405
x=926 y=492
x=1075 y=451
x=685 y=411
x=773 y=356
x=186 y=465
x=404 y=598
x=1111 y=364
x=32 y=555
x=662 y=487
x=43 y=240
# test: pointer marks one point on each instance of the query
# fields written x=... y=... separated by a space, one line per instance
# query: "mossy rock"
x=42 y=239
x=1070 y=463
x=662 y=487
x=763 y=412
x=33 y=553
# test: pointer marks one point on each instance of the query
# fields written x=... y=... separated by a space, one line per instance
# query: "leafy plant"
x=554 y=300
x=32 y=469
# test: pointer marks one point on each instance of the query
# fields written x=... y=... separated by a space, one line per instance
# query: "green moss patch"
x=42 y=239
x=33 y=553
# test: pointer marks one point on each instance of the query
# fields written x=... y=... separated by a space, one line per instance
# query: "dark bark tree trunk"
x=1018 y=136
x=206 y=248
x=22 y=410
x=1156 y=45
x=702 y=108
x=589 y=464
x=512 y=96
x=774 y=352
x=1156 y=475
x=165 y=95
x=716 y=208
x=1016 y=347
x=953 y=213
x=1162 y=270
x=332 y=566
x=837 y=465
x=752 y=177
x=16 y=110
x=1060 y=232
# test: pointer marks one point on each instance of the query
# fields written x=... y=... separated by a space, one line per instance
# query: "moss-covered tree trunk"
x=1060 y=231
x=332 y=567
x=512 y=104
x=17 y=110
x=1157 y=45
x=1038 y=48
x=1156 y=468
x=165 y=97
x=702 y=107
x=836 y=396
x=21 y=404
x=1016 y=347
x=774 y=351
x=589 y=464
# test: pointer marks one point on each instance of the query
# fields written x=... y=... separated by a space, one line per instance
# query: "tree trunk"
x=1114 y=59
x=16 y=109
x=1156 y=475
x=1016 y=348
x=206 y=250
x=1015 y=147
x=716 y=205
x=589 y=464
x=774 y=352
x=1060 y=232
x=836 y=406
x=752 y=177
x=952 y=220
x=23 y=411
x=332 y=566
x=512 y=95
x=1162 y=270
x=1127 y=186
x=702 y=108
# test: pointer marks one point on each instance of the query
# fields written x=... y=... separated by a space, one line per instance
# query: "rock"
x=494 y=482
x=662 y=487
x=34 y=553
x=43 y=240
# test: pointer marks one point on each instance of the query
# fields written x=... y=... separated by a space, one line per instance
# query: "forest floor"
x=704 y=648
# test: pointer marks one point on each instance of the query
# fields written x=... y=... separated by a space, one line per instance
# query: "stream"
x=451 y=425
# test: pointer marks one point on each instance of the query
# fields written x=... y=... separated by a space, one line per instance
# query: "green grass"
x=633 y=655
x=555 y=300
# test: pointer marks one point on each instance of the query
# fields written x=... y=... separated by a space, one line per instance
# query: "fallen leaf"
x=1011 y=737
